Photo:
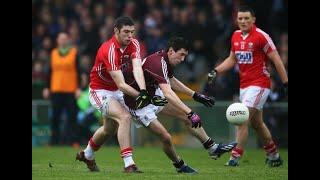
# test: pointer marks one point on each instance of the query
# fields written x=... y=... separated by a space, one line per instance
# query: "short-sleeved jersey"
x=251 y=54
x=156 y=70
x=110 y=58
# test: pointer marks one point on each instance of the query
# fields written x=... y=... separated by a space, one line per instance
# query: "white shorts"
x=100 y=98
x=254 y=96
x=146 y=115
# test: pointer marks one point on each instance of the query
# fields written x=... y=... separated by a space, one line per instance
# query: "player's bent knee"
x=166 y=138
x=257 y=125
x=243 y=127
x=124 y=118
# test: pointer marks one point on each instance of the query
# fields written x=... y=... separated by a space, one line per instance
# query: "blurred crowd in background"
x=207 y=24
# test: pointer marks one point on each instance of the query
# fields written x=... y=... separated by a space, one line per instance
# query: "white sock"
x=128 y=161
x=273 y=156
x=89 y=152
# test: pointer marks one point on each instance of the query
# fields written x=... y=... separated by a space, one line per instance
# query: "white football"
x=237 y=113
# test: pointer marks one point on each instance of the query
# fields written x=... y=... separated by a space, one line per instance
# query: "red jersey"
x=110 y=58
x=156 y=70
x=251 y=53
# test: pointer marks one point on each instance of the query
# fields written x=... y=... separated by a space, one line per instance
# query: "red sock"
x=270 y=148
x=93 y=145
x=237 y=152
x=126 y=152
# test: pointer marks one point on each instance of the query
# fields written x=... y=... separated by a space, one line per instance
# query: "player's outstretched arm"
x=179 y=86
x=172 y=98
x=227 y=64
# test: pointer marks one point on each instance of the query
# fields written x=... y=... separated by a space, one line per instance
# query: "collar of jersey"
x=253 y=28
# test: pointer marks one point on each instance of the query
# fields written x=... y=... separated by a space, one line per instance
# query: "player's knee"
x=166 y=138
x=256 y=125
x=125 y=118
x=243 y=127
x=108 y=130
x=104 y=132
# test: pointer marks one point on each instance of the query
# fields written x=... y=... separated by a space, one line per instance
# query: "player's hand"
x=206 y=100
x=195 y=119
x=212 y=76
x=285 y=88
x=158 y=101
x=143 y=99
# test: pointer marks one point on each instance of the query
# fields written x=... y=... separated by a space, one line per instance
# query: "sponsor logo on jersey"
x=244 y=57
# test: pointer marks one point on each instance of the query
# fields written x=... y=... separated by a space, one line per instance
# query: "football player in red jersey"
x=158 y=72
x=251 y=48
x=107 y=86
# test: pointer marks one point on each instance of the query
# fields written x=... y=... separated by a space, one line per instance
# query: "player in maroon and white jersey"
x=251 y=48
x=107 y=86
x=158 y=72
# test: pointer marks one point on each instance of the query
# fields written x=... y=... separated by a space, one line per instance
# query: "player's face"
x=245 y=21
x=176 y=57
x=125 y=34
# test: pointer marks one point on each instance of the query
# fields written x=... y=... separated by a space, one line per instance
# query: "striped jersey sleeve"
x=266 y=42
x=136 y=49
x=111 y=59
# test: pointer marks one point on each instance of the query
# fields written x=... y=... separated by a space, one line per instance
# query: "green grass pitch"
x=154 y=163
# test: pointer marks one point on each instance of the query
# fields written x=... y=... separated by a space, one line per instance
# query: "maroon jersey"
x=156 y=69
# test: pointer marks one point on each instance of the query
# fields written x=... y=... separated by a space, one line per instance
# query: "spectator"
x=63 y=89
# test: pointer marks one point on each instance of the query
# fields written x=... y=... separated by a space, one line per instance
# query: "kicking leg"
x=157 y=128
x=214 y=150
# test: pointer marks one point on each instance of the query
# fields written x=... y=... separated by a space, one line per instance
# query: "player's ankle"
x=178 y=164
x=273 y=156
x=237 y=152
x=208 y=143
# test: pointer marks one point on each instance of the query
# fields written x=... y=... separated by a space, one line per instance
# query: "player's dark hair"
x=245 y=8
x=177 y=43
x=123 y=21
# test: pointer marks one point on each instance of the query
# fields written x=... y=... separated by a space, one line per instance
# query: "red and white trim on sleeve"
x=111 y=57
x=137 y=46
x=270 y=43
